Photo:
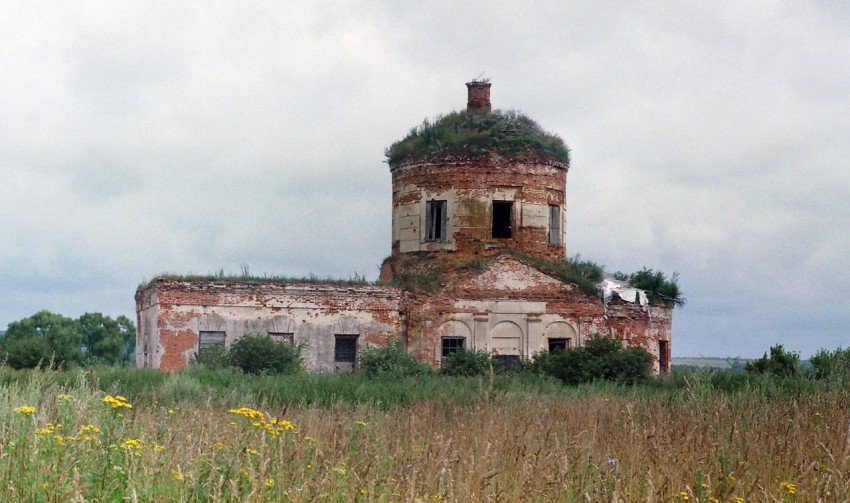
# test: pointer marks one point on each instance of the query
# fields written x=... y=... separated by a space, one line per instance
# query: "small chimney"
x=478 y=96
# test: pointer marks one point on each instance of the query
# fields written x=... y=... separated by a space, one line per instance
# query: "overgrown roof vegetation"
x=659 y=289
x=246 y=277
x=585 y=273
x=495 y=133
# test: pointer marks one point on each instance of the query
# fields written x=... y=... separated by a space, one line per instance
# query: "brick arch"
x=560 y=329
x=454 y=328
x=506 y=338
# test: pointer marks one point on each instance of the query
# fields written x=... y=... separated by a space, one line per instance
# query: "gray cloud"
x=710 y=140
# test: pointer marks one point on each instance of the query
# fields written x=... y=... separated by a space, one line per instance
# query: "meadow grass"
x=70 y=436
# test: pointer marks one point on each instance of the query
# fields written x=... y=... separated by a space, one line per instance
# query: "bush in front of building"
x=260 y=354
x=465 y=362
x=599 y=359
x=214 y=357
x=390 y=361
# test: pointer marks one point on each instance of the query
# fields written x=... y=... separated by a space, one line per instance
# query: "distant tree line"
x=50 y=339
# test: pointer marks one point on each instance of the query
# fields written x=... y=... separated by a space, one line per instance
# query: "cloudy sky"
x=708 y=138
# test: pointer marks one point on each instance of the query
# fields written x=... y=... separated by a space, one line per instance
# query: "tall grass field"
x=117 y=434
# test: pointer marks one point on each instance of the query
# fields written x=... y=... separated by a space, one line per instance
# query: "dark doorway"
x=664 y=356
x=345 y=353
x=502 y=219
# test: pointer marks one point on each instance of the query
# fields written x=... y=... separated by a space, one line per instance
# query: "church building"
x=478 y=261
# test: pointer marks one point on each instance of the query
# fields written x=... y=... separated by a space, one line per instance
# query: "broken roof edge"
x=311 y=279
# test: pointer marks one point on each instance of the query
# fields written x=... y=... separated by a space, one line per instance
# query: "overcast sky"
x=707 y=138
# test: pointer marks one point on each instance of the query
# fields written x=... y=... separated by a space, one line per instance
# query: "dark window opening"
x=435 y=221
x=452 y=345
x=558 y=345
x=664 y=355
x=554 y=225
x=345 y=352
x=287 y=337
x=507 y=361
x=502 y=219
x=208 y=338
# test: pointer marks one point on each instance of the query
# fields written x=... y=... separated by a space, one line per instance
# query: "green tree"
x=779 y=363
x=40 y=339
x=106 y=340
x=831 y=363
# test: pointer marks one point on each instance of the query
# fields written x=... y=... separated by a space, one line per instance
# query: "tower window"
x=502 y=219
x=554 y=225
x=435 y=221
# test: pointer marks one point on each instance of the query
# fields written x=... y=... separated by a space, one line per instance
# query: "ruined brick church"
x=478 y=233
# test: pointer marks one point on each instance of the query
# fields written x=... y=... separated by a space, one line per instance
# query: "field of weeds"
x=79 y=439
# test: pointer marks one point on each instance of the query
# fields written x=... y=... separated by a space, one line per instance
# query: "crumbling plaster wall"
x=511 y=308
x=469 y=185
x=174 y=313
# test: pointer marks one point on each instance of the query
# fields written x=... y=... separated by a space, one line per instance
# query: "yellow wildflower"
x=684 y=496
x=269 y=482
x=789 y=487
x=117 y=402
x=26 y=410
x=133 y=445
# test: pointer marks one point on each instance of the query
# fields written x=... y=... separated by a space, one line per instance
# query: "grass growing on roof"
x=495 y=133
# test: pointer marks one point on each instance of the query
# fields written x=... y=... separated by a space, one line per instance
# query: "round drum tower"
x=476 y=182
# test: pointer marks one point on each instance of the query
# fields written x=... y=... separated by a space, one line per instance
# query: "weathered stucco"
x=173 y=313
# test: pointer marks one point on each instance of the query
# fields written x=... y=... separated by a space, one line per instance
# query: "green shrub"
x=779 y=363
x=468 y=363
x=828 y=364
x=213 y=357
x=391 y=361
x=599 y=359
x=658 y=288
x=259 y=353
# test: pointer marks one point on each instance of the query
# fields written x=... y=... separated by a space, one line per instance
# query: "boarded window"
x=207 y=339
x=435 y=221
x=345 y=352
x=287 y=337
x=502 y=219
x=558 y=344
x=554 y=225
x=452 y=345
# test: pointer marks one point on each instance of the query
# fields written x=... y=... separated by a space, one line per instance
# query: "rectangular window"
x=345 y=352
x=554 y=225
x=208 y=338
x=287 y=337
x=435 y=221
x=502 y=219
x=507 y=361
x=556 y=344
x=452 y=345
